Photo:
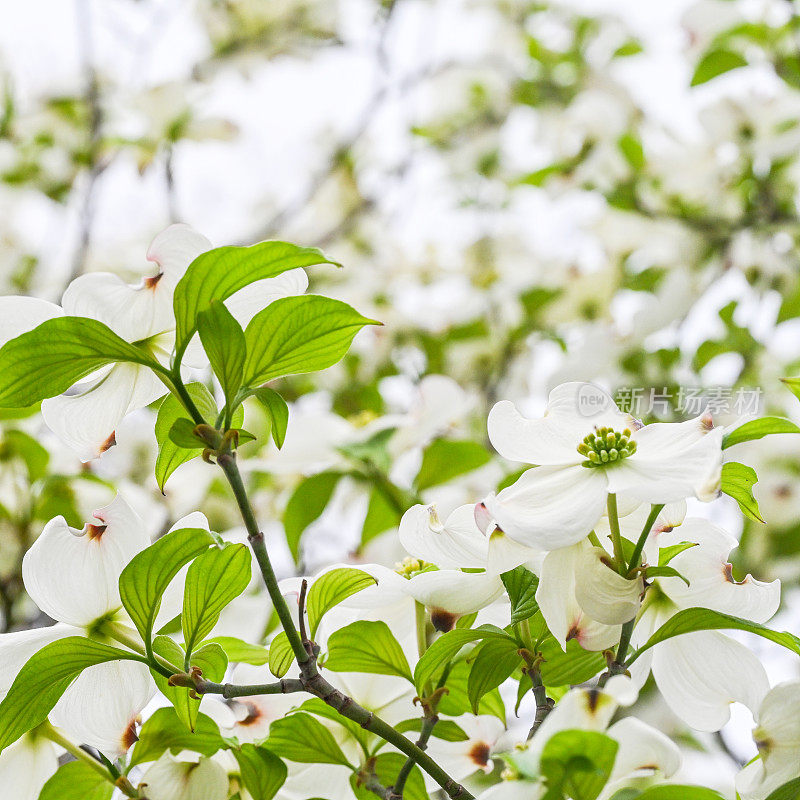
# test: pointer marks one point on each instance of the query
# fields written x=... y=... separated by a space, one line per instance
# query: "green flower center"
x=606 y=446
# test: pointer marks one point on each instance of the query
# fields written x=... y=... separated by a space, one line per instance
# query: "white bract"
x=584 y=449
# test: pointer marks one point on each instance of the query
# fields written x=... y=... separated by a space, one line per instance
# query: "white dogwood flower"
x=701 y=673
x=27 y=765
x=185 y=776
x=777 y=736
x=86 y=417
x=73 y=576
x=583 y=449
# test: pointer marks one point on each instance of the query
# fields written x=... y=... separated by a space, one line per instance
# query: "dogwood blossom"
x=584 y=448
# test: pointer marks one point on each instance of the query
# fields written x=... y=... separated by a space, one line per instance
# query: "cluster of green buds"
x=605 y=446
x=409 y=567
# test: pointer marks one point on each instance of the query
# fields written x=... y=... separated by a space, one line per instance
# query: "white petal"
x=86 y=421
x=19 y=315
x=73 y=576
x=132 y=312
x=514 y=790
x=461 y=759
x=533 y=441
x=456 y=543
x=556 y=598
x=247 y=302
x=16 y=648
x=455 y=592
x=171 y=778
x=196 y=519
x=700 y=674
x=175 y=248
x=550 y=507
x=26 y=766
x=711 y=583
x=506 y=554
x=642 y=747
x=664 y=475
x=602 y=592
x=101 y=705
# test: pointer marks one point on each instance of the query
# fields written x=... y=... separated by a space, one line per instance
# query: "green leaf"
x=757 y=429
x=45 y=677
x=665 y=572
x=17 y=444
x=386 y=767
x=494 y=661
x=210 y=659
x=793 y=385
x=76 y=781
x=666 y=554
x=213 y=580
x=277 y=412
x=737 y=482
x=575 y=666
x=148 y=574
x=704 y=619
x=170 y=455
x=381 y=516
x=631 y=147
x=242 y=652
x=55 y=355
x=366 y=646
x=299 y=334
x=444 y=460
x=578 y=762
x=521 y=585
x=456 y=701
x=305 y=505
x=223 y=340
x=281 y=655
x=321 y=709
x=182 y=435
x=714 y=63
x=300 y=737
x=164 y=730
x=331 y=588
x=445 y=729
x=789 y=791
x=263 y=773
x=442 y=651
x=679 y=792
x=220 y=273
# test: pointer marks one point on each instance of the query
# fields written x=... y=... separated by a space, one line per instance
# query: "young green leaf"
x=170 y=455
x=214 y=579
x=716 y=62
x=366 y=646
x=704 y=619
x=262 y=772
x=664 y=572
x=223 y=341
x=148 y=574
x=319 y=708
x=305 y=505
x=455 y=701
x=76 y=780
x=45 y=677
x=277 y=412
x=666 y=554
x=789 y=791
x=164 y=730
x=182 y=435
x=53 y=356
x=35 y=457
x=493 y=661
x=331 y=588
x=382 y=514
x=737 y=482
x=521 y=585
x=281 y=655
x=221 y=272
x=444 y=649
x=242 y=652
x=210 y=659
x=300 y=737
x=578 y=762
x=444 y=460
x=757 y=429
x=299 y=334
x=679 y=792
